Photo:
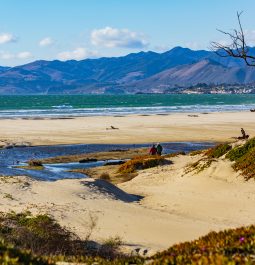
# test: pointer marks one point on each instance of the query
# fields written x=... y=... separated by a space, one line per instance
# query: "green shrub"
x=244 y=157
x=13 y=256
x=218 y=151
x=142 y=162
x=246 y=164
x=40 y=234
x=238 y=152
x=110 y=247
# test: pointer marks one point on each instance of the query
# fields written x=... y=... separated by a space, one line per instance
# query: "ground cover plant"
x=218 y=151
x=240 y=151
x=209 y=156
x=244 y=158
x=233 y=246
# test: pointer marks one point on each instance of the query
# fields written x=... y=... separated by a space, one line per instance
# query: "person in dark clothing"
x=153 y=150
x=159 y=149
x=244 y=135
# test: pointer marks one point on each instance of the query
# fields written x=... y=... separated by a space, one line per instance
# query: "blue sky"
x=77 y=29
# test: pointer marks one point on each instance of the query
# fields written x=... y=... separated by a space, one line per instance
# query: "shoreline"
x=119 y=115
x=136 y=129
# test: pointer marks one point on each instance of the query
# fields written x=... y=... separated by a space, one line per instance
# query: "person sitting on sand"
x=159 y=149
x=153 y=150
x=244 y=135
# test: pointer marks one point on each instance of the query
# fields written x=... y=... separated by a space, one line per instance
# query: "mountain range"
x=143 y=72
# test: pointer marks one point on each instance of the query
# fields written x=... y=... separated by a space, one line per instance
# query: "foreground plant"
x=40 y=235
x=10 y=255
x=233 y=246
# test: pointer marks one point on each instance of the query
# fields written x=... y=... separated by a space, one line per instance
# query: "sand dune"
x=159 y=207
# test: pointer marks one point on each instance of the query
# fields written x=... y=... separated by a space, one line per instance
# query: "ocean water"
x=95 y=105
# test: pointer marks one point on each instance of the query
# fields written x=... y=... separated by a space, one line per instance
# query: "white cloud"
x=112 y=37
x=24 y=55
x=45 y=42
x=5 y=55
x=77 y=54
x=250 y=37
x=6 y=38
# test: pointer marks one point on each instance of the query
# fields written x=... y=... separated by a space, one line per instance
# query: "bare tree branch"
x=237 y=48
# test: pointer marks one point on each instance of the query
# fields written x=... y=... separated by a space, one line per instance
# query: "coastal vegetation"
x=28 y=239
x=242 y=150
x=244 y=158
x=174 y=154
x=126 y=171
x=33 y=165
x=142 y=162
x=242 y=155
x=232 y=246
x=110 y=155
x=10 y=255
x=199 y=165
x=40 y=234
x=40 y=240
x=218 y=151
x=208 y=157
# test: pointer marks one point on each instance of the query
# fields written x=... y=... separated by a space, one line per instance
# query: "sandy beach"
x=157 y=208
x=131 y=129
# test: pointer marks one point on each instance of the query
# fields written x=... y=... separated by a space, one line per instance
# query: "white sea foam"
x=68 y=111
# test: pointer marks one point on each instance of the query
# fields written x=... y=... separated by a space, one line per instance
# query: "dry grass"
x=174 y=154
x=111 y=155
x=199 y=165
x=105 y=176
x=142 y=162
x=31 y=167
x=114 y=176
